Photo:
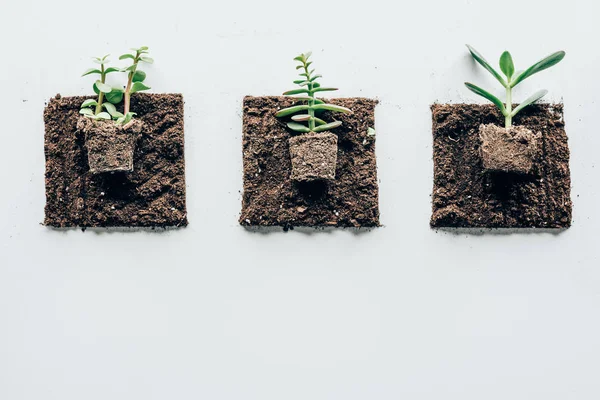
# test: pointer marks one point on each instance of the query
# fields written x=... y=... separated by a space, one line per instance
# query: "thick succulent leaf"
x=332 y=107
x=147 y=60
x=530 y=100
x=299 y=81
x=291 y=110
x=99 y=61
x=103 y=87
x=115 y=97
x=125 y=56
x=324 y=89
x=300 y=66
x=319 y=121
x=89 y=103
x=112 y=69
x=139 y=76
x=326 y=127
x=110 y=108
x=299 y=58
x=92 y=71
x=301 y=117
x=96 y=89
x=138 y=87
x=305 y=98
x=487 y=95
x=479 y=58
x=86 y=111
x=315 y=77
x=131 y=68
x=295 y=91
x=103 y=115
x=539 y=66
x=506 y=64
x=298 y=127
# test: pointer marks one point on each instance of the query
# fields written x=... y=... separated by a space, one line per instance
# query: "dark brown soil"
x=464 y=195
x=271 y=198
x=314 y=156
x=516 y=149
x=153 y=195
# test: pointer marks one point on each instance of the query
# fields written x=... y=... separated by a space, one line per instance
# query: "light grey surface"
x=217 y=312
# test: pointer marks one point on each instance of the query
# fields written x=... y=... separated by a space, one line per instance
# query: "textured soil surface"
x=466 y=196
x=271 y=198
x=153 y=195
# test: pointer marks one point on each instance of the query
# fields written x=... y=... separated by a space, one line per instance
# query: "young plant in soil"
x=111 y=144
x=314 y=151
x=510 y=149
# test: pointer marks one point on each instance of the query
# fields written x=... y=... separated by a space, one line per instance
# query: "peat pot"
x=110 y=146
x=314 y=156
x=513 y=150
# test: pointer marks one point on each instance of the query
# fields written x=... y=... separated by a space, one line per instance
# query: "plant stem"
x=508 y=117
x=129 y=83
x=101 y=94
x=311 y=103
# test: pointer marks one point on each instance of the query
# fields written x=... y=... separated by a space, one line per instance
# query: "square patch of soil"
x=271 y=198
x=153 y=195
x=465 y=196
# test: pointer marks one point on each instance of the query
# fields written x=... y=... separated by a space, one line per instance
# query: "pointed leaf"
x=299 y=81
x=295 y=91
x=139 y=76
x=112 y=69
x=487 y=95
x=298 y=127
x=138 y=87
x=332 y=107
x=125 y=56
x=315 y=77
x=307 y=55
x=319 y=121
x=147 y=60
x=103 y=115
x=479 y=58
x=115 y=97
x=291 y=110
x=89 y=103
x=326 y=127
x=99 y=61
x=506 y=64
x=299 y=58
x=539 y=66
x=92 y=71
x=103 y=87
x=86 y=111
x=301 y=117
x=530 y=100
x=324 y=89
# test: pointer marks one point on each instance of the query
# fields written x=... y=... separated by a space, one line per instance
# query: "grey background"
x=217 y=312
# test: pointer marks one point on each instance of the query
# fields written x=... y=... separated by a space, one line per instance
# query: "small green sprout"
x=512 y=79
x=101 y=88
x=308 y=88
x=135 y=80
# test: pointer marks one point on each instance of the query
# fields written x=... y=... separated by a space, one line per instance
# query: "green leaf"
x=139 y=76
x=506 y=64
x=110 y=108
x=117 y=115
x=332 y=107
x=316 y=85
x=487 y=95
x=89 y=103
x=326 y=127
x=324 y=89
x=115 y=97
x=319 y=121
x=103 y=115
x=299 y=81
x=530 y=100
x=291 y=110
x=298 y=127
x=92 y=71
x=131 y=68
x=307 y=55
x=295 y=91
x=539 y=66
x=125 y=56
x=147 y=60
x=300 y=58
x=315 y=77
x=301 y=117
x=112 y=69
x=103 y=87
x=86 y=111
x=300 y=66
x=128 y=117
x=104 y=58
x=479 y=58
x=99 y=61
x=138 y=87
x=96 y=89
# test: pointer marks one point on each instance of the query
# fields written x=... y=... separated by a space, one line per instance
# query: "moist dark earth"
x=464 y=195
x=271 y=198
x=153 y=195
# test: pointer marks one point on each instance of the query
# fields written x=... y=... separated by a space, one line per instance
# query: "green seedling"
x=93 y=108
x=309 y=87
x=512 y=79
x=135 y=81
